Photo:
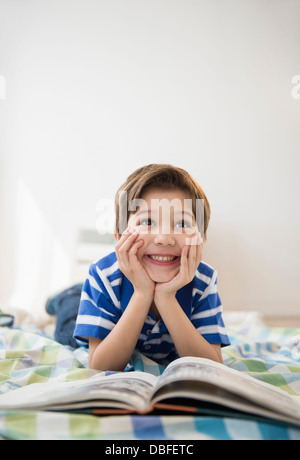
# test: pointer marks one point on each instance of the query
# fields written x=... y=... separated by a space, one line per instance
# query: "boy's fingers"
x=191 y=257
x=123 y=246
x=184 y=255
x=136 y=245
x=123 y=238
x=195 y=240
x=199 y=251
x=199 y=248
x=128 y=241
x=192 y=253
x=125 y=235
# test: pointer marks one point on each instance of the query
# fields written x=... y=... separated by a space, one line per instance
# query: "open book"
x=193 y=385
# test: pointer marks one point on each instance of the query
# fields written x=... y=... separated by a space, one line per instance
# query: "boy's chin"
x=162 y=277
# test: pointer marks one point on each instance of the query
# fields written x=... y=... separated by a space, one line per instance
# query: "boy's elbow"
x=220 y=360
x=103 y=367
x=90 y=363
x=217 y=353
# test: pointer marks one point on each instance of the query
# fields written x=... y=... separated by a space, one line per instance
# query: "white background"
x=97 y=88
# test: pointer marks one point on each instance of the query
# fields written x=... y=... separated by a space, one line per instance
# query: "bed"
x=29 y=355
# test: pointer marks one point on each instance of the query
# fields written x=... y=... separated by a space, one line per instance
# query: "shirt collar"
x=183 y=296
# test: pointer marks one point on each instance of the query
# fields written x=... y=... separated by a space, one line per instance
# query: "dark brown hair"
x=163 y=176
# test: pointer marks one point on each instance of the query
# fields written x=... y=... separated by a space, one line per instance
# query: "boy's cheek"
x=194 y=240
x=141 y=250
x=140 y=229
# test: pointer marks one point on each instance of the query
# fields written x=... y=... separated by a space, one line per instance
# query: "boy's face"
x=165 y=221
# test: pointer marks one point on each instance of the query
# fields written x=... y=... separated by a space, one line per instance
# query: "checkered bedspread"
x=28 y=356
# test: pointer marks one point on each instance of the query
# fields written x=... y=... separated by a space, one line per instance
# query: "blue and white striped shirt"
x=107 y=292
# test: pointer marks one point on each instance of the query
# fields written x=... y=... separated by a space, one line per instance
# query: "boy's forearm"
x=115 y=351
x=186 y=338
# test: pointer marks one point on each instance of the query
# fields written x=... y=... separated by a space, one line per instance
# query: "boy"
x=153 y=293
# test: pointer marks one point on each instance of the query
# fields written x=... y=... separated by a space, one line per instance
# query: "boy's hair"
x=163 y=176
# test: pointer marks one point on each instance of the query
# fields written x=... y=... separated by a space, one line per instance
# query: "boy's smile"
x=161 y=259
x=161 y=268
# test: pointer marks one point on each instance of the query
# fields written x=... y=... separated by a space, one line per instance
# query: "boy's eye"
x=146 y=221
x=183 y=224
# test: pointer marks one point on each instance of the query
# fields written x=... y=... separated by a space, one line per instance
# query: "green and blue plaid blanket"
x=29 y=356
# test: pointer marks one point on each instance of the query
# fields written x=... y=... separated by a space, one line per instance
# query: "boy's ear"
x=116 y=235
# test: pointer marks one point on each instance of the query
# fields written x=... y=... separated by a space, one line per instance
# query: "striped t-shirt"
x=107 y=292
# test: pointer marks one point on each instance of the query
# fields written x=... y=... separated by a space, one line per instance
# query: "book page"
x=131 y=388
x=212 y=398
x=261 y=393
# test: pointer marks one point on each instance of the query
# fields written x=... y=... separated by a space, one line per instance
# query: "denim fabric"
x=6 y=320
x=65 y=307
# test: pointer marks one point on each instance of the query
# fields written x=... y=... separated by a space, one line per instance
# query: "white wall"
x=97 y=88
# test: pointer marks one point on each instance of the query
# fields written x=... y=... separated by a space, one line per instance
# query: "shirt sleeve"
x=99 y=310
x=207 y=310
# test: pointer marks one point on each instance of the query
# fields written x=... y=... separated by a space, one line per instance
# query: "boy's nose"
x=164 y=239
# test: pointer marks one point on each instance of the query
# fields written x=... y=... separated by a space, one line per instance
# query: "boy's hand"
x=126 y=250
x=191 y=256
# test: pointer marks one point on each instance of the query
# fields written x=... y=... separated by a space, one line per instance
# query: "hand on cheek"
x=191 y=256
x=194 y=240
x=127 y=254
